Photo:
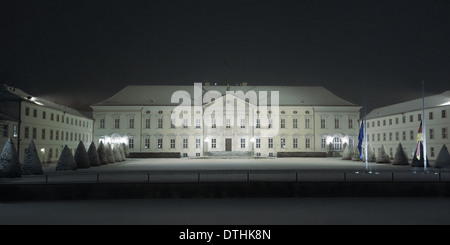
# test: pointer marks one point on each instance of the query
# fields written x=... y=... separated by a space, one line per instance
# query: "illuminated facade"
x=51 y=126
x=399 y=123
x=227 y=120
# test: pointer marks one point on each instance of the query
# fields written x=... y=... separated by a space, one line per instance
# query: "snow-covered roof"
x=411 y=105
x=9 y=93
x=159 y=95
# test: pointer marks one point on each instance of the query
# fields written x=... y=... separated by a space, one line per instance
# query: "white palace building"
x=51 y=126
x=226 y=121
x=399 y=123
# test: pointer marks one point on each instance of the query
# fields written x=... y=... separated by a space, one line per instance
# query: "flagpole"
x=365 y=138
x=424 y=131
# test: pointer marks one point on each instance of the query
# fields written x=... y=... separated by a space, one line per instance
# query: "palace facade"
x=208 y=120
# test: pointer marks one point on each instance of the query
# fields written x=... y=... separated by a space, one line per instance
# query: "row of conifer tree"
x=31 y=164
x=400 y=157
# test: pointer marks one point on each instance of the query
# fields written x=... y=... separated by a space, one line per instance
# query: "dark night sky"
x=82 y=52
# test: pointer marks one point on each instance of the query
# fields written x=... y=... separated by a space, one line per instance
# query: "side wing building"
x=399 y=123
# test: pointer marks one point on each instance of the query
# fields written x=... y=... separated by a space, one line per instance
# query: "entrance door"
x=228 y=144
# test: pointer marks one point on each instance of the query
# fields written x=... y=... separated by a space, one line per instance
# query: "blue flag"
x=360 y=139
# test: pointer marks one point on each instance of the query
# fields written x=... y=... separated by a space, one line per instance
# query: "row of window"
x=412 y=135
x=307 y=123
x=58 y=118
x=55 y=135
x=336 y=143
x=390 y=121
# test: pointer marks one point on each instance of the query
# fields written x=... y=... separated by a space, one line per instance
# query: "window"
x=411 y=135
x=419 y=117
x=432 y=151
x=258 y=123
x=116 y=122
x=197 y=143
x=213 y=143
x=258 y=143
x=323 y=142
x=34 y=113
x=350 y=123
x=44 y=115
x=378 y=123
x=5 y=131
x=27 y=111
x=431 y=134
x=242 y=122
x=213 y=123
x=102 y=123
x=270 y=143
x=307 y=123
x=384 y=136
x=131 y=143
x=172 y=143
x=71 y=136
x=403 y=119
x=147 y=123
x=242 y=143
x=397 y=136
x=384 y=122
x=411 y=118
x=390 y=121
x=43 y=134
x=160 y=143
x=52 y=116
x=34 y=133
x=197 y=123
x=283 y=142
x=283 y=123
x=322 y=123
x=396 y=120
x=337 y=123
x=160 y=123
x=430 y=115
x=57 y=135
x=337 y=144
x=295 y=143
x=294 y=123
x=351 y=142
x=444 y=133
x=403 y=135
x=378 y=137
x=185 y=123
x=131 y=123
x=307 y=143
x=147 y=143
x=228 y=123
x=390 y=136
x=51 y=134
x=443 y=114
x=185 y=143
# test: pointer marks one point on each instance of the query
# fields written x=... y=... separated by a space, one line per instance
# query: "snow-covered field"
x=325 y=164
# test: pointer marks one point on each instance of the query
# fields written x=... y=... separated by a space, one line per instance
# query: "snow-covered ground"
x=325 y=164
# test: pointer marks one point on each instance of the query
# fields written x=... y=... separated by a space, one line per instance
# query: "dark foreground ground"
x=230 y=211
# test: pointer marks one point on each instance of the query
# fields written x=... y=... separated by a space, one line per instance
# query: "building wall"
x=51 y=130
x=138 y=126
x=403 y=128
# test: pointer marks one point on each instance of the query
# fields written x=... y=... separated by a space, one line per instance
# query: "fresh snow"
x=9 y=161
x=31 y=163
